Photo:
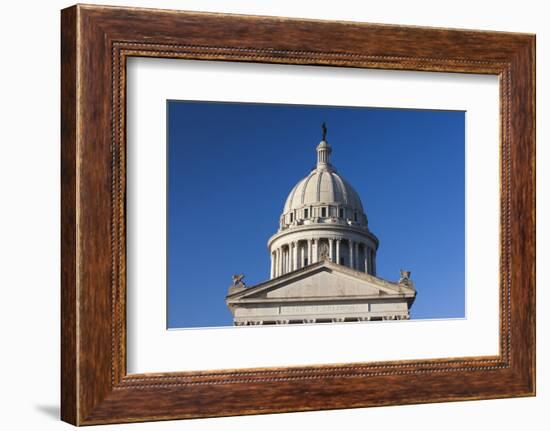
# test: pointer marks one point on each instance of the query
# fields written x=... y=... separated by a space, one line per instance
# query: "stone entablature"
x=316 y=230
x=324 y=292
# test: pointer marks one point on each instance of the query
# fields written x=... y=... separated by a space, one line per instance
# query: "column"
x=331 y=249
x=338 y=250
x=371 y=260
x=295 y=256
x=272 y=266
x=309 y=251
x=288 y=259
x=303 y=255
x=373 y=257
x=315 y=247
x=291 y=257
x=350 y=246
x=275 y=263
x=280 y=261
x=366 y=251
x=356 y=254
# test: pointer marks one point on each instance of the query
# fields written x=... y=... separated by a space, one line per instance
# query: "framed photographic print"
x=322 y=214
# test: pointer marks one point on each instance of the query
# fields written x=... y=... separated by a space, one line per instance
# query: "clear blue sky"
x=232 y=165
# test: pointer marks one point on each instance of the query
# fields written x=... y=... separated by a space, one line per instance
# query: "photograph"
x=283 y=214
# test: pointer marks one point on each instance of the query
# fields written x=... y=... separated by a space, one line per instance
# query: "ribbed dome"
x=323 y=186
x=323 y=197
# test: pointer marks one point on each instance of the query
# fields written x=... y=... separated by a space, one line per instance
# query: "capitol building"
x=323 y=260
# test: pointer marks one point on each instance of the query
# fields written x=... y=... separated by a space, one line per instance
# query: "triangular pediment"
x=324 y=280
x=323 y=284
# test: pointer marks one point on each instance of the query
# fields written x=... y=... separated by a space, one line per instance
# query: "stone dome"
x=323 y=196
x=323 y=186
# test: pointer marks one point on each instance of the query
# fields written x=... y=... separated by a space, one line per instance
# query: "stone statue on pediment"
x=405 y=276
x=238 y=279
x=238 y=284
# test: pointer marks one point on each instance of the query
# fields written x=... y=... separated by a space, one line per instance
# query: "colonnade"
x=298 y=254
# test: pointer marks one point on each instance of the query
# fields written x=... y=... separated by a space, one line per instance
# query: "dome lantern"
x=323 y=150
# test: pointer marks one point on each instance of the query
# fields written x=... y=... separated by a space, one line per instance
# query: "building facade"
x=323 y=260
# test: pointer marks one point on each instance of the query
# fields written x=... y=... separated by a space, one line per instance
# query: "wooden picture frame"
x=95 y=43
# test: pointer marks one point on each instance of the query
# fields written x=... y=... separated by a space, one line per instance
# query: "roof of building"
x=370 y=285
x=323 y=185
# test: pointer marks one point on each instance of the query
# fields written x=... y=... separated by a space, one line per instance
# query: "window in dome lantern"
x=341 y=213
x=354 y=216
x=323 y=212
x=306 y=213
x=291 y=217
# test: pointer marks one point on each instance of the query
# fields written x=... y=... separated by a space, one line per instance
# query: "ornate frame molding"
x=96 y=41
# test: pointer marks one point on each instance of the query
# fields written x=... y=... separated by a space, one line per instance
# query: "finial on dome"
x=323 y=149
